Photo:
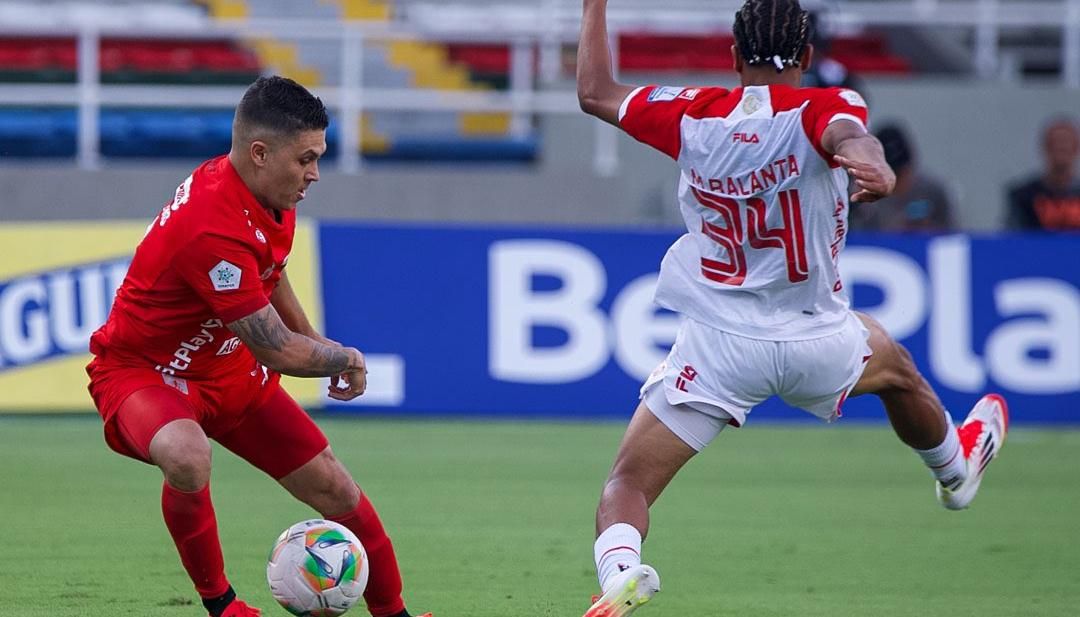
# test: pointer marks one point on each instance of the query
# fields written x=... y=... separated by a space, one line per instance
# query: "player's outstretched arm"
x=279 y=348
x=292 y=313
x=861 y=154
x=598 y=92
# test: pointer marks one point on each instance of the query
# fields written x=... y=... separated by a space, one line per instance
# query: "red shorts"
x=248 y=413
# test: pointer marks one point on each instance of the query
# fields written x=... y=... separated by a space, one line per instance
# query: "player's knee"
x=335 y=491
x=621 y=482
x=185 y=463
x=904 y=376
x=340 y=495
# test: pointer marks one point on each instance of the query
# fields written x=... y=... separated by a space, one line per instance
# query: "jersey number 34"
x=733 y=236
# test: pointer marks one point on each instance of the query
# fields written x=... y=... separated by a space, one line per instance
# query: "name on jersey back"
x=755 y=182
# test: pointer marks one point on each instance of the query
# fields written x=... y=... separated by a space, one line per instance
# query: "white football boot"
x=981 y=436
x=630 y=589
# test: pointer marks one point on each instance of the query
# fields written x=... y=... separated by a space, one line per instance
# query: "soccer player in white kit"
x=763 y=189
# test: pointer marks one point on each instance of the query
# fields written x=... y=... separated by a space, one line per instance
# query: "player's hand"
x=351 y=383
x=874 y=181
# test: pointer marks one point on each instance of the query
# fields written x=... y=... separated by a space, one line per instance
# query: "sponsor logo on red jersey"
x=225 y=276
x=229 y=346
x=175 y=382
x=182 y=357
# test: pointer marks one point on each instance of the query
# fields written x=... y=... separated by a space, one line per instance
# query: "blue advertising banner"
x=541 y=322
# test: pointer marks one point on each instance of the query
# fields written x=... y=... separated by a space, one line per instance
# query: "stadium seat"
x=455 y=149
x=866 y=53
x=188 y=134
x=169 y=133
x=30 y=59
x=37 y=133
x=37 y=59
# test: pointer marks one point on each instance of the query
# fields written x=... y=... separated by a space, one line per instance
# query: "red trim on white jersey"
x=653 y=114
x=821 y=107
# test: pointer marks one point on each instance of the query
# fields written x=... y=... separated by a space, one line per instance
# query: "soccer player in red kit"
x=202 y=328
x=763 y=190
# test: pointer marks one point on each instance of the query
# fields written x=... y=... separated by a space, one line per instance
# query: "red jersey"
x=212 y=256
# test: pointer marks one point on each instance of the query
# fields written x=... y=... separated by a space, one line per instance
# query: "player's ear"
x=260 y=152
x=736 y=58
x=807 y=57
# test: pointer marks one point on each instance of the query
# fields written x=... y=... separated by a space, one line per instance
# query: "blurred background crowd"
x=464 y=110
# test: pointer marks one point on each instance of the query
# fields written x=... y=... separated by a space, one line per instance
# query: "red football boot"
x=237 y=608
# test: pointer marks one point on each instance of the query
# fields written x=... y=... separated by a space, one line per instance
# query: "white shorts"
x=714 y=378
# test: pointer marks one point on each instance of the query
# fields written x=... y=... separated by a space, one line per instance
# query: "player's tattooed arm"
x=862 y=156
x=288 y=307
x=598 y=92
x=334 y=359
x=276 y=346
x=262 y=329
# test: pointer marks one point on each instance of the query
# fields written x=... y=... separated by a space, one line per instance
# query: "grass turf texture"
x=495 y=519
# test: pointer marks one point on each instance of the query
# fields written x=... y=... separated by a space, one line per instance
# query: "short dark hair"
x=280 y=105
x=771 y=32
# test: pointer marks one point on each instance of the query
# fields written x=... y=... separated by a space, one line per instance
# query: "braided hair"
x=771 y=32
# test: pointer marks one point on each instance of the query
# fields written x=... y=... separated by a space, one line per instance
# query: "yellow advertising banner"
x=57 y=282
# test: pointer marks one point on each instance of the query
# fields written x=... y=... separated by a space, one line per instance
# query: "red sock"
x=193 y=526
x=383 y=593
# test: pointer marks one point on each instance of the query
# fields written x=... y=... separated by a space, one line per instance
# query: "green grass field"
x=495 y=519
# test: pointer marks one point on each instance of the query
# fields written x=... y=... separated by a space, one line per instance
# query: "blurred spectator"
x=1050 y=200
x=825 y=72
x=919 y=203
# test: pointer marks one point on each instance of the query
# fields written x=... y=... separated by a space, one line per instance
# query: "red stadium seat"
x=50 y=59
x=481 y=58
x=223 y=56
x=651 y=52
x=23 y=58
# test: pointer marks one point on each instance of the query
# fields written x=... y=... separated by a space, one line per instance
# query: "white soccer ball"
x=317 y=568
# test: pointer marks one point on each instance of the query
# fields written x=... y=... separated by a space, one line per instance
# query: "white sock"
x=617 y=548
x=946 y=461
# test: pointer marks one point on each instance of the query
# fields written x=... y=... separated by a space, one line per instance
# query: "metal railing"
x=556 y=23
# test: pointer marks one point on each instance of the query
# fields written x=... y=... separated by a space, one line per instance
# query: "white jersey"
x=765 y=206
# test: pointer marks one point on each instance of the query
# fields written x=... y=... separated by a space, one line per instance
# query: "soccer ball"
x=317 y=568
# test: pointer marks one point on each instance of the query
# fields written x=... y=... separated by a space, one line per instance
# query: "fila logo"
x=746 y=138
x=688 y=374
